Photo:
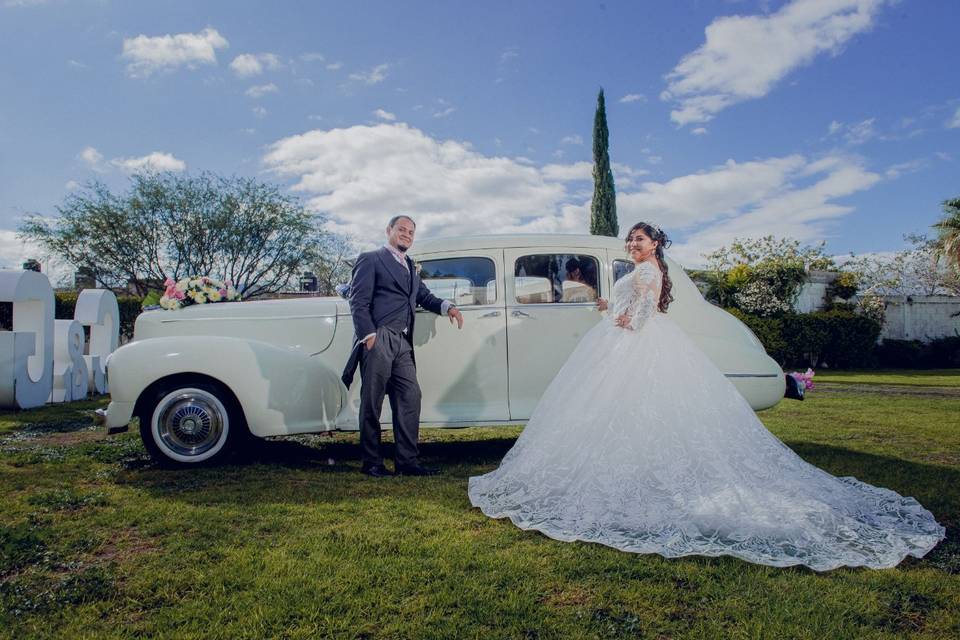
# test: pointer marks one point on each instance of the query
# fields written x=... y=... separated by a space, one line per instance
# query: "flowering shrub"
x=760 y=298
x=805 y=379
x=196 y=290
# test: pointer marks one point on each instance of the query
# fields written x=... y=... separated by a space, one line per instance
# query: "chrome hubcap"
x=190 y=423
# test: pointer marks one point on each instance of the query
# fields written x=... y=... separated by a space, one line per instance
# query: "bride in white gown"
x=669 y=458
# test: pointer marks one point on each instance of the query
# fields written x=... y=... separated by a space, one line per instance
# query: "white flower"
x=214 y=295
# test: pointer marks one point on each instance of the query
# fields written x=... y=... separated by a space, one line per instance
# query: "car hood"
x=307 y=324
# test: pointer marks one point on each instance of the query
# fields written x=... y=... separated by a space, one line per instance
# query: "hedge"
x=836 y=338
x=64 y=303
x=941 y=353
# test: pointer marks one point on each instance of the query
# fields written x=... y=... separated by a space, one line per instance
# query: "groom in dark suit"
x=384 y=293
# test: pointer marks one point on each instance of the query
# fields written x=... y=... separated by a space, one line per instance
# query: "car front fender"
x=280 y=390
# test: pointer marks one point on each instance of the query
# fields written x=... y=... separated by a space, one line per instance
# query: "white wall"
x=921 y=317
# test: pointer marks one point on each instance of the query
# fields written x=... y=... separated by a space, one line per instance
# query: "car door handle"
x=491 y=314
x=520 y=314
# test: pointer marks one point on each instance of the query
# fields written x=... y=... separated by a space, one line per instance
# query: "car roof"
x=520 y=240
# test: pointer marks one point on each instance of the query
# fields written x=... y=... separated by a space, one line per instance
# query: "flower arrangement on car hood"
x=196 y=290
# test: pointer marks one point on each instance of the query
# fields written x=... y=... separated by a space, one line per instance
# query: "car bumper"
x=116 y=417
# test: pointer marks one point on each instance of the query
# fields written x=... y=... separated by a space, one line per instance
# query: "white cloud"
x=260 y=90
x=509 y=54
x=861 y=132
x=699 y=131
x=76 y=64
x=788 y=197
x=314 y=116
x=146 y=55
x=899 y=169
x=443 y=113
x=253 y=64
x=633 y=97
x=312 y=57
x=568 y=172
x=92 y=158
x=375 y=76
x=14 y=252
x=384 y=115
x=335 y=66
x=156 y=161
x=359 y=175
x=259 y=112
x=626 y=176
x=22 y=3
x=574 y=139
x=71 y=185
x=857 y=133
x=744 y=57
x=954 y=122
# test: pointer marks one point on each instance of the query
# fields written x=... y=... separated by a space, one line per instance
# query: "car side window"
x=555 y=277
x=621 y=268
x=463 y=281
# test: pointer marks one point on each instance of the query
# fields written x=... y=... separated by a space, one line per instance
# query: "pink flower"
x=179 y=295
x=806 y=378
x=169 y=282
x=223 y=292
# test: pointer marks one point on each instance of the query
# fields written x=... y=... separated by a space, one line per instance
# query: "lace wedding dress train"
x=642 y=444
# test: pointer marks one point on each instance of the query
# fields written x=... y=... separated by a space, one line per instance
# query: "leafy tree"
x=761 y=275
x=916 y=270
x=603 y=209
x=333 y=266
x=174 y=225
x=947 y=244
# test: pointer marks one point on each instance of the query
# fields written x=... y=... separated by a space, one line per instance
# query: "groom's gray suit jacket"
x=384 y=294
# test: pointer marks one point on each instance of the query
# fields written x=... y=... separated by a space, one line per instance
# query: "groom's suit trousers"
x=389 y=369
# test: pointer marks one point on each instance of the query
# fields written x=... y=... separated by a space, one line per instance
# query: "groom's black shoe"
x=416 y=470
x=376 y=470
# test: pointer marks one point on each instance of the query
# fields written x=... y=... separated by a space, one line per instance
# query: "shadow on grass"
x=272 y=473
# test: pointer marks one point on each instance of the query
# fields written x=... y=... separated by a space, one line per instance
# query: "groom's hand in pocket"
x=369 y=342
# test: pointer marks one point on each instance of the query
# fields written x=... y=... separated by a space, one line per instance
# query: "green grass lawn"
x=98 y=542
x=925 y=378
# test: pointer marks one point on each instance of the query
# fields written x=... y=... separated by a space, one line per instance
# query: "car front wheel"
x=191 y=424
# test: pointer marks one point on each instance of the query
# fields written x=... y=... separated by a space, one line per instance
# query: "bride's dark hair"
x=657 y=235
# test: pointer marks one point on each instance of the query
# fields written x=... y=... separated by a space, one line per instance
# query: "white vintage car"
x=204 y=376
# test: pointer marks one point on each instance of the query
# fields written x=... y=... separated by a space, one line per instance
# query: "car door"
x=462 y=373
x=549 y=308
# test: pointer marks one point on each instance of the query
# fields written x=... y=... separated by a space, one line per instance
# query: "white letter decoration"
x=26 y=353
x=69 y=368
x=98 y=309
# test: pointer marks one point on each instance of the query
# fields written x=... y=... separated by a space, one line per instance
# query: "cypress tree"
x=603 y=209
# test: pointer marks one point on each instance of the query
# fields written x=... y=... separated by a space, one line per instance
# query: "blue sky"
x=815 y=119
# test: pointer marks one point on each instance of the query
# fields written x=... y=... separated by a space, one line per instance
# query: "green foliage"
x=936 y=354
x=762 y=276
x=834 y=338
x=603 y=208
x=844 y=286
x=947 y=243
x=170 y=225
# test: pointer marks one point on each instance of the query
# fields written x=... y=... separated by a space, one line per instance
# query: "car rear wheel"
x=191 y=423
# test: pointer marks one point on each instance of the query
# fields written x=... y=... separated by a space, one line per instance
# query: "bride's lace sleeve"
x=646 y=291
